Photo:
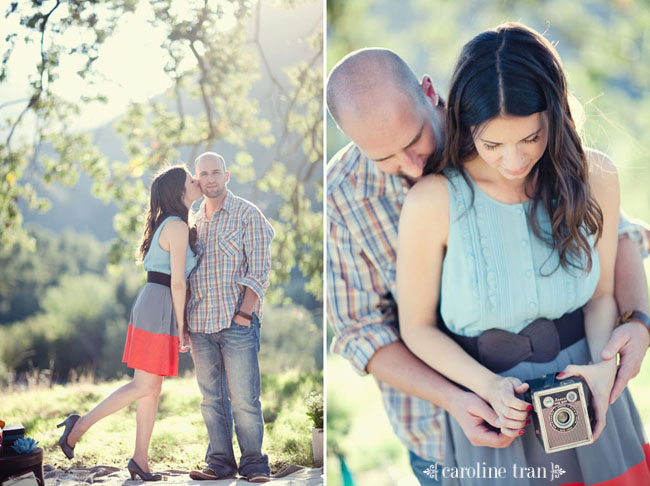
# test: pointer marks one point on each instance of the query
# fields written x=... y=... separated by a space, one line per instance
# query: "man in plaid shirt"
x=224 y=314
x=396 y=124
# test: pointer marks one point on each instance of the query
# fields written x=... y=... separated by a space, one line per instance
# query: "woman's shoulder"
x=175 y=226
x=428 y=198
x=602 y=170
x=430 y=189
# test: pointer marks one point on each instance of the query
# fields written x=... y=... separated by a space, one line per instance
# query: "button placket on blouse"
x=527 y=260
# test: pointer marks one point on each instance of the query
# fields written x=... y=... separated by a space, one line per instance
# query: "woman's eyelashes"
x=535 y=139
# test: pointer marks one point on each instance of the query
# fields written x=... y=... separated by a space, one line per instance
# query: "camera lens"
x=564 y=418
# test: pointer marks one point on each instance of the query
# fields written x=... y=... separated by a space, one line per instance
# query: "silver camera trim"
x=570 y=413
x=538 y=397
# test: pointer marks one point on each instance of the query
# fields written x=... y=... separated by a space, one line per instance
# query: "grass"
x=371 y=450
x=179 y=438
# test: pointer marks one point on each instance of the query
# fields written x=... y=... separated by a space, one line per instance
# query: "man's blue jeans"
x=423 y=470
x=228 y=374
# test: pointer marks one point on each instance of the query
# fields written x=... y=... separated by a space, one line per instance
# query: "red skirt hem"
x=154 y=353
x=635 y=476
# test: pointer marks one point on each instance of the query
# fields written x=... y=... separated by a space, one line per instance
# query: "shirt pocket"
x=230 y=242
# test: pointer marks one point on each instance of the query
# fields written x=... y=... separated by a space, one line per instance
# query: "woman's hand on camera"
x=511 y=411
x=600 y=379
x=478 y=420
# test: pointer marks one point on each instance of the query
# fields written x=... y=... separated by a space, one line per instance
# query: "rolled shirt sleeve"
x=257 y=238
x=361 y=311
x=637 y=231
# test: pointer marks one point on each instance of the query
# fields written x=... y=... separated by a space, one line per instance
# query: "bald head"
x=212 y=157
x=396 y=121
x=365 y=84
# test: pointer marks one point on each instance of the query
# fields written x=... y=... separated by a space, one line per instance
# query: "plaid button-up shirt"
x=363 y=207
x=637 y=231
x=236 y=254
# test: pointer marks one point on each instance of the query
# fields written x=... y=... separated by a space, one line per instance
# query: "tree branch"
x=204 y=94
x=256 y=41
x=36 y=96
x=13 y=102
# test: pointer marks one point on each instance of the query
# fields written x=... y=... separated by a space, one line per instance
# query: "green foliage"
x=69 y=332
x=43 y=23
x=315 y=409
x=291 y=337
x=208 y=66
x=285 y=414
x=27 y=274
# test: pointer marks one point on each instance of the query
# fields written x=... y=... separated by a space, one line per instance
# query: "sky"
x=129 y=62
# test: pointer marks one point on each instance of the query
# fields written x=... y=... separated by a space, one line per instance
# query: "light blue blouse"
x=158 y=260
x=497 y=273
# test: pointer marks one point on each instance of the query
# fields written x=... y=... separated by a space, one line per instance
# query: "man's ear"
x=429 y=90
x=227 y=176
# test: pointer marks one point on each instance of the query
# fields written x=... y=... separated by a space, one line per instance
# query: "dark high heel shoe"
x=63 y=441
x=135 y=470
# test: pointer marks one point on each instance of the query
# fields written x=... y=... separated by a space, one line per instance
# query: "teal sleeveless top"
x=157 y=259
x=497 y=273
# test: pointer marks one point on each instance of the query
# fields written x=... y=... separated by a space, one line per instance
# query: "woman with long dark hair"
x=155 y=333
x=514 y=236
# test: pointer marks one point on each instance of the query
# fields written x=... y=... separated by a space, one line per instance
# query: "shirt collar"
x=372 y=182
x=227 y=206
x=228 y=202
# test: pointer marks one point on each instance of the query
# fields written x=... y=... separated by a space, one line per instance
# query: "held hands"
x=511 y=411
x=631 y=341
x=183 y=347
x=472 y=413
x=600 y=378
x=184 y=340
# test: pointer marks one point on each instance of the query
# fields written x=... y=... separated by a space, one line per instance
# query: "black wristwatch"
x=635 y=315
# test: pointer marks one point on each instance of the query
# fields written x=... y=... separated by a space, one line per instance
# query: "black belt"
x=159 y=278
x=539 y=342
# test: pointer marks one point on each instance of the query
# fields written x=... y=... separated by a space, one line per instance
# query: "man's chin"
x=412 y=178
x=212 y=194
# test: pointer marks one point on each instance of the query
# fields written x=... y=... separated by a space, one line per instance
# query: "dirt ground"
x=113 y=476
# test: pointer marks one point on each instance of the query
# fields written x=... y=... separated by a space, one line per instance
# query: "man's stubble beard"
x=434 y=164
x=215 y=193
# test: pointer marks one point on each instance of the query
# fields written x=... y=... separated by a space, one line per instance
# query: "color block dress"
x=497 y=274
x=152 y=337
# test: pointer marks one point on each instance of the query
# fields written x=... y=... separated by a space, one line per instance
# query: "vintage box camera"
x=562 y=412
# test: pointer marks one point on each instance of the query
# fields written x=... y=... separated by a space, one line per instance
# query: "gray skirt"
x=152 y=337
x=618 y=453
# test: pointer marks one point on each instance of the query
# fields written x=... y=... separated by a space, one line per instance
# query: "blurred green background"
x=605 y=49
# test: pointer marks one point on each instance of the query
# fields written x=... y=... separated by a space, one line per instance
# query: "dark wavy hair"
x=513 y=70
x=166 y=199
